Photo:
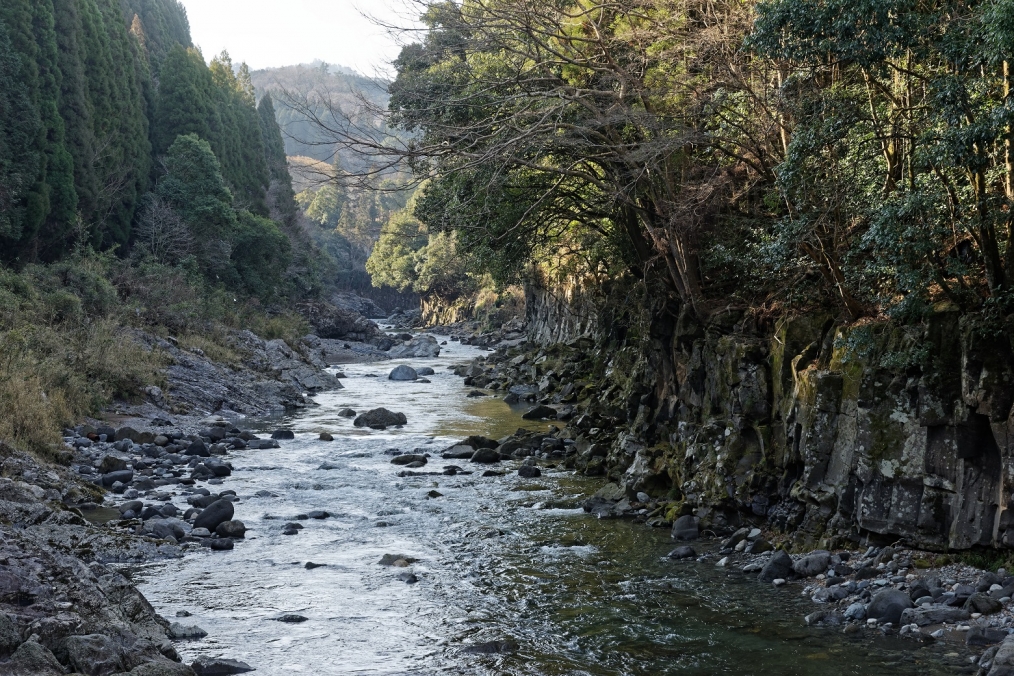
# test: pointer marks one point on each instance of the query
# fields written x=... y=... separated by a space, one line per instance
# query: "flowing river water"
x=498 y=559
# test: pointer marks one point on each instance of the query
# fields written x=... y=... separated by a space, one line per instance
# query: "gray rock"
x=485 y=456
x=134 y=506
x=221 y=544
x=123 y=476
x=685 y=528
x=347 y=413
x=231 y=529
x=460 y=452
x=291 y=618
x=380 y=419
x=935 y=614
x=217 y=512
x=283 y=435
x=982 y=603
x=426 y=371
x=541 y=413
x=779 y=566
x=812 y=564
x=529 y=472
x=408 y=458
x=403 y=373
x=10 y=635
x=180 y=631
x=980 y=637
x=111 y=463
x=324 y=436
x=32 y=659
x=888 y=605
x=683 y=552
x=425 y=347
x=217 y=666
x=160 y=667
x=856 y=611
x=92 y=654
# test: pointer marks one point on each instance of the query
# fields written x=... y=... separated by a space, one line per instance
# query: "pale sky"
x=267 y=33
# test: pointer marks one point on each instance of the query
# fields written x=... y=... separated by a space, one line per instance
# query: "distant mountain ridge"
x=337 y=83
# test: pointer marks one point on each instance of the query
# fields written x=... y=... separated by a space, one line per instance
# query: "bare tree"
x=162 y=234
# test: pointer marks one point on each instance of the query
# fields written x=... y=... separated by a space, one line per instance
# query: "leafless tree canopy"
x=162 y=234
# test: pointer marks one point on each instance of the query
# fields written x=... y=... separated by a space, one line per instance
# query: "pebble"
x=778 y=581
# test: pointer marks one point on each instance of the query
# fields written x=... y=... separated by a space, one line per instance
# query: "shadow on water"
x=499 y=559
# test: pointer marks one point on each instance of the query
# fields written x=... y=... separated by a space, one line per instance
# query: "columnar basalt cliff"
x=869 y=432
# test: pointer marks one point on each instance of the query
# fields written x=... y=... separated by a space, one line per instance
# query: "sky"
x=269 y=33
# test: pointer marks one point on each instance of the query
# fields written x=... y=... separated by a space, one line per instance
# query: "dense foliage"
x=772 y=154
x=115 y=134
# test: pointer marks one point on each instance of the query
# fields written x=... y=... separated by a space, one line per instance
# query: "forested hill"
x=359 y=96
x=112 y=125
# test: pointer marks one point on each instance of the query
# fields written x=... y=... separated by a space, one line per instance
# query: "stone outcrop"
x=876 y=432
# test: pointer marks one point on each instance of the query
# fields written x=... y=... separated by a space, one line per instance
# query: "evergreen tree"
x=281 y=197
x=19 y=126
x=185 y=99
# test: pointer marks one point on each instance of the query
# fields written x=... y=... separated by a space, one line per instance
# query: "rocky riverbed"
x=404 y=524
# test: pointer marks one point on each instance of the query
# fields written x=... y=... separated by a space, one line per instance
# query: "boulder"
x=935 y=614
x=980 y=637
x=812 y=564
x=32 y=659
x=124 y=476
x=779 y=566
x=217 y=666
x=529 y=472
x=403 y=373
x=425 y=371
x=380 y=419
x=111 y=463
x=127 y=433
x=685 y=528
x=231 y=529
x=199 y=449
x=485 y=456
x=888 y=605
x=408 y=458
x=980 y=602
x=216 y=513
x=283 y=435
x=179 y=631
x=683 y=552
x=541 y=413
x=93 y=654
x=423 y=347
x=460 y=452
x=347 y=413
x=325 y=436
x=10 y=635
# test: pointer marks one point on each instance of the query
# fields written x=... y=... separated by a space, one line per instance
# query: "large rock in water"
x=779 y=566
x=380 y=419
x=216 y=513
x=330 y=321
x=403 y=373
x=685 y=528
x=888 y=605
x=419 y=347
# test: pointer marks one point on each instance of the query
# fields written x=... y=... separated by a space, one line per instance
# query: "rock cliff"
x=873 y=432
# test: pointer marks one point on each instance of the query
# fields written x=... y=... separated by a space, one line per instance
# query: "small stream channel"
x=499 y=559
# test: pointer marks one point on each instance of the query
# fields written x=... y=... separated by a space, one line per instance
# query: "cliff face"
x=873 y=432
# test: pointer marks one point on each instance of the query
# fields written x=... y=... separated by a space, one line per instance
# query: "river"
x=498 y=559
